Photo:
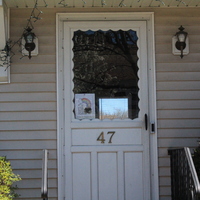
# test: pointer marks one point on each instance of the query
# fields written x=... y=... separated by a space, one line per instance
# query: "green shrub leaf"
x=7 y=178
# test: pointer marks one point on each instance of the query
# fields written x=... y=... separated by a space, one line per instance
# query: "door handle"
x=146 y=121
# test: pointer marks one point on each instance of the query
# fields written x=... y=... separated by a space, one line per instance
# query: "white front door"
x=105 y=111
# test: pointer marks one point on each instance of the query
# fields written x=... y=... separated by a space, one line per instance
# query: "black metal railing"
x=184 y=181
x=44 y=188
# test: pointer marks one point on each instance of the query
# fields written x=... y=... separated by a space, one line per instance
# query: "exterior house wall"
x=178 y=84
x=28 y=103
x=28 y=107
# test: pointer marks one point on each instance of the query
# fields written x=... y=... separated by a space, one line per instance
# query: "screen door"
x=106 y=101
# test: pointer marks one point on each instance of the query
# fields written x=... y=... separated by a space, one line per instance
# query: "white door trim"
x=144 y=16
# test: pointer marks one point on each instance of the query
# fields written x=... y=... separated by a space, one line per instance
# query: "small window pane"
x=113 y=108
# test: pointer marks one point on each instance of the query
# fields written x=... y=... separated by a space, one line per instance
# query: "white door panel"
x=105 y=159
x=120 y=137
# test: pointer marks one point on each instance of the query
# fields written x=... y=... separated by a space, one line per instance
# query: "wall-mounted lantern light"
x=180 y=43
x=29 y=43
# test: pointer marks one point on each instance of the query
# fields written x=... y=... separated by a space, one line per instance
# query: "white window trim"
x=4 y=26
x=147 y=16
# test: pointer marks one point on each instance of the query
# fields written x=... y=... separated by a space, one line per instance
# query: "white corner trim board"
x=2 y=28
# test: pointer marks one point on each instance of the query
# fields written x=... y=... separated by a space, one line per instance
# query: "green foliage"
x=196 y=159
x=7 y=178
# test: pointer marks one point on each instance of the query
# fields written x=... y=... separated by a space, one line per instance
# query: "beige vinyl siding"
x=178 y=88
x=28 y=104
x=28 y=108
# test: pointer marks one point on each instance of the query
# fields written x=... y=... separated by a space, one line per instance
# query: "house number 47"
x=101 y=137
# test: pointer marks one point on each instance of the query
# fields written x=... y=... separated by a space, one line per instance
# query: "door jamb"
x=149 y=18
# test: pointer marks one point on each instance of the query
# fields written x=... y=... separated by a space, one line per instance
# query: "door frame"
x=115 y=16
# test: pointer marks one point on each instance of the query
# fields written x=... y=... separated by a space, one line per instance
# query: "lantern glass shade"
x=29 y=38
x=181 y=37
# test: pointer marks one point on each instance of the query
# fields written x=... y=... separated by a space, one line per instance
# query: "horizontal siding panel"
x=32 y=68
x=28 y=125
x=44 y=40
x=178 y=104
x=33 y=164
x=28 y=145
x=42 y=96
x=177 y=142
x=15 y=116
x=166 y=39
x=164 y=171
x=179 y=133
x=164 y=162
x=163 y=152
x=33 y=78
x=36 y=173
x=193 y=40
x=29 y=87
x=28 y=135
x=172 y=21
x=166 y=48
x=176 y=13
x=178 y=85
x=36 y=183
x=39 y=59
x=160 y=48
x=166 y=191
x=46 y=49
x=48 y=14
x=172 y=95
x=27 y=106
x=178 y=114
x=165 y=181
x=22 y=154
x=38 y=198
x=169 y=58
x=176 y=67
x=165 y=197
x=18 y=21
x=171 y=29
x=47 y=31
x=163 y=40
x=178 y=76
x=44 y=46
x=179 y=123
x=35 y=193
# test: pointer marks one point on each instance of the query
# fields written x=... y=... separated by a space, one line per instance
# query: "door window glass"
x=105 y=74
